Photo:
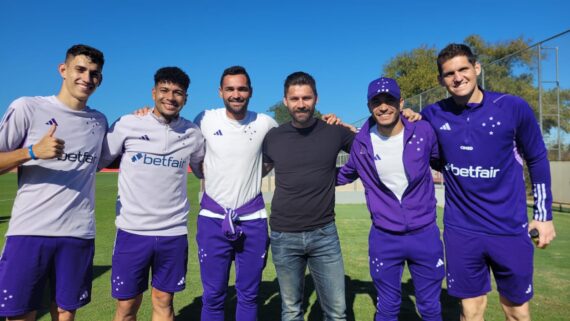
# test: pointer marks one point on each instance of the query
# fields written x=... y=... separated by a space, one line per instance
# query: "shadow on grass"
x=269 y=306
x=4 y=219
x=270 y=302
x=450 y=308
x=98 y=270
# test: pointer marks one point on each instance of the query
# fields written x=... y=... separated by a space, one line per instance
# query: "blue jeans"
x=320 y=249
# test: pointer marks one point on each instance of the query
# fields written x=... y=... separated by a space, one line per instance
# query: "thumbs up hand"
x=49 y=146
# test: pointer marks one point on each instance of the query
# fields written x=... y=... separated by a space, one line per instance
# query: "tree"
x=281 y=114
x=414 y=70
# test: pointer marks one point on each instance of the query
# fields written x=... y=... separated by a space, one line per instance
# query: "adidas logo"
x=218 y=133
x=445 y=127
x=144 y=137
x=377 y=157
x=136 y=157
x=84 y=296
x=52 y=122
x=439 y=263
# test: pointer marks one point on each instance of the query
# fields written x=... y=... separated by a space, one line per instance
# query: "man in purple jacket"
x=484 y=137
x=392 y=158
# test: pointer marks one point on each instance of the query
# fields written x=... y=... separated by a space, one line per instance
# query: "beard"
x=303 y=118
x=238 y=112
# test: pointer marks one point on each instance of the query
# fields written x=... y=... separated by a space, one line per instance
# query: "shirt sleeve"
x=197 y=157
x=265 y=148
x=112 y=145
x=15 y=125
x=271 y=123
x=347 y=173
x=531 y=146
x=347 y=138
x=434 y=159
x=198 y=119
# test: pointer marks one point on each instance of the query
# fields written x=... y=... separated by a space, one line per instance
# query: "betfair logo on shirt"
x=158 y=160
x=78 y=157
x=473 y=172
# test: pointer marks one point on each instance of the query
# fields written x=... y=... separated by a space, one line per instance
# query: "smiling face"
x=236 y=93
x=300 y=101
x=386 y=111
x=169 y=98
x=81 y=77
x=459 y=77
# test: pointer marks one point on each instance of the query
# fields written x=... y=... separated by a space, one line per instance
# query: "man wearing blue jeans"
x=303 y=232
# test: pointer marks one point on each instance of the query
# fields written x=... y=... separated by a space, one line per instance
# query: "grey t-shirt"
x=152 y=196
x=55 y=196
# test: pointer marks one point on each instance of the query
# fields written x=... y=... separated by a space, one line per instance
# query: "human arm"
x=530 y=144
x=331 y=119
x=267 y=163
x=411 y=115
x=347 y=173
x=266 y=168
x=435 y=160
x=112 y=147
x=197 y=158
x=47 y=148
x=546 y=232
x=14 y=134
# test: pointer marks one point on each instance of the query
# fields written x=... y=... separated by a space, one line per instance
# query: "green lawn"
x=552 y=268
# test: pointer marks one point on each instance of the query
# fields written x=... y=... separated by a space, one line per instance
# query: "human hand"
x=411 y=115
x=331 y=119
x=49 y=146
x=546 y=232
x=142 y=111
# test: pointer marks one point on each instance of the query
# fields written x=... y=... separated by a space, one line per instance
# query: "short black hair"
x=453 y=50
x=235 y=70
x=94 y=54
x=173 y=75
x=299 y=78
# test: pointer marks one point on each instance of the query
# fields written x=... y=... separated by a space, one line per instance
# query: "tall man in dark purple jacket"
x=392 y=158
x=484 y=137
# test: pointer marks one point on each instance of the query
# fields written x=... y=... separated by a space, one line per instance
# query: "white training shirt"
x=153 y=173
x=389 y=160
x=56 y=196
x=233 y=162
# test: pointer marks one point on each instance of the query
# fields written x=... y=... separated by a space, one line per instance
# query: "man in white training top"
x=232 y=224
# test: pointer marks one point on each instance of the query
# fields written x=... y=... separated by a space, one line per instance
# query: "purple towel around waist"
x=231 y=215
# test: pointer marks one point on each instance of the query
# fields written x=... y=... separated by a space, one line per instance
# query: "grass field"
x=552 y=269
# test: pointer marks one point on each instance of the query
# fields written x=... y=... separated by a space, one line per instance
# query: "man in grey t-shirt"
x=55 y=143
x=152 y=206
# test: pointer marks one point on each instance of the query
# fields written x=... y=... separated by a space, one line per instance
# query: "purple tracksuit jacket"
x=417 y=208
x=483 y=146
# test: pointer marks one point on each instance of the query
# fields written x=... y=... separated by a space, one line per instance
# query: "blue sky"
x=343 y=44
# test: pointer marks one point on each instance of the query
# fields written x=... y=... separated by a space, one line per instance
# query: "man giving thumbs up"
x=55 y=143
